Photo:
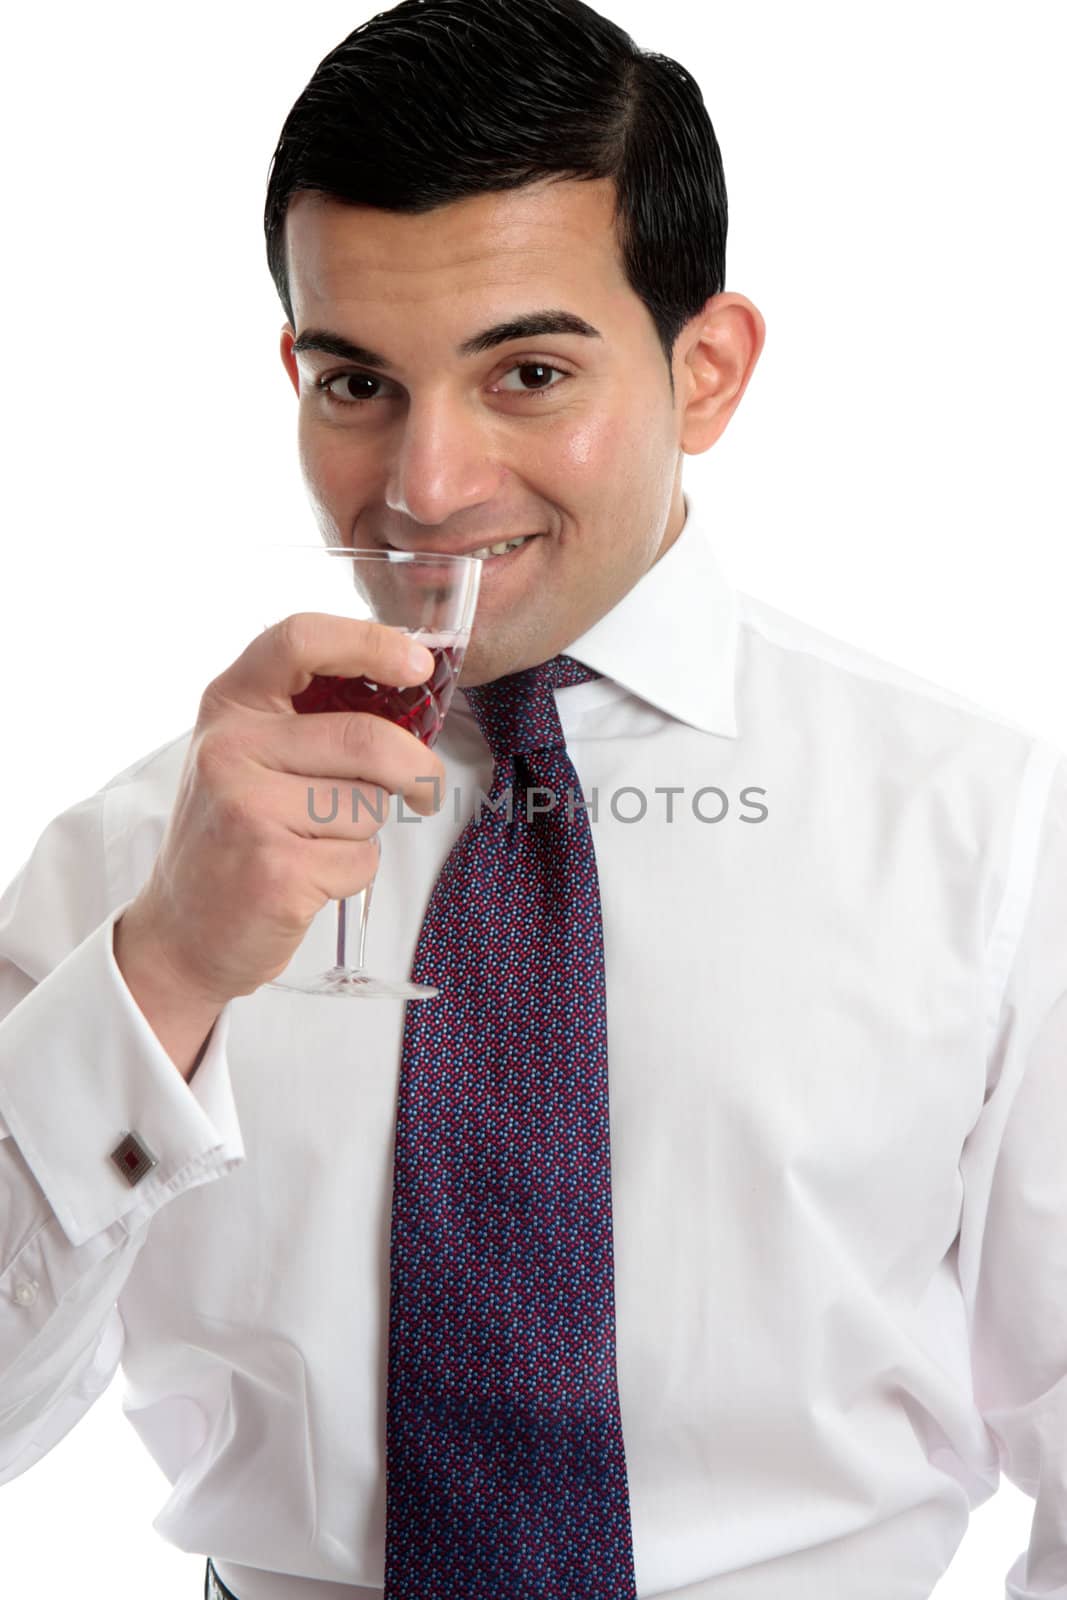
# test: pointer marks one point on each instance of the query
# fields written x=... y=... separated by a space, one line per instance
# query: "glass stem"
x=363 y=898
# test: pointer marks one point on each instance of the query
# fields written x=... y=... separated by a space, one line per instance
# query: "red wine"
x=420 y=709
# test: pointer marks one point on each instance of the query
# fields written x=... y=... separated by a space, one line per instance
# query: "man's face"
x=570 y=439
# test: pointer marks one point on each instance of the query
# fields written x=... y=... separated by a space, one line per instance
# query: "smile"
x=492 y=552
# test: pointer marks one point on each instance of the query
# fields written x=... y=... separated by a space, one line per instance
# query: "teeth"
x=488 y=550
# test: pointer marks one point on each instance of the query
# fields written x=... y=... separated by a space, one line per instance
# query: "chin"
x=481 y=666
x=474 y=673
x=497 y=657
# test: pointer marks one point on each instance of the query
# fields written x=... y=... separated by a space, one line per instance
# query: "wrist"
x=180 y=1013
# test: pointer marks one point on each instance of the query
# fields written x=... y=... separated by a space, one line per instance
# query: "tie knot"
x=517 y=713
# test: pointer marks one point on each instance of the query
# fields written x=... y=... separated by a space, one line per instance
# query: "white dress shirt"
x=838 y=1072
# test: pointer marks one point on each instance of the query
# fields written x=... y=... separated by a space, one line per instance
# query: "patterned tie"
x=505 y=1470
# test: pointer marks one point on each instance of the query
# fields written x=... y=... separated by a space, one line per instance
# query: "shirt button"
x=26 y=1293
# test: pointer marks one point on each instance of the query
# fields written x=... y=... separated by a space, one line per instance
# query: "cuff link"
x=133 y=1158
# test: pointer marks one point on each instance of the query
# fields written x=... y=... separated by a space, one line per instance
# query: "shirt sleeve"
x=79 y=1068
x=1013 y=1236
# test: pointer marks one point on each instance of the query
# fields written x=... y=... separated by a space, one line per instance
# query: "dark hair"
x=436 y=100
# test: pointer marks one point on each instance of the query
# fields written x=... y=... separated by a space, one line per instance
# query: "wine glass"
x=432 y=597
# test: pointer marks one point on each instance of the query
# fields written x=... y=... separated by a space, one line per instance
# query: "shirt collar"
x=672 y=639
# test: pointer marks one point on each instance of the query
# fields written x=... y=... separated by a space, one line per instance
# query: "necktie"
x=505 y=1469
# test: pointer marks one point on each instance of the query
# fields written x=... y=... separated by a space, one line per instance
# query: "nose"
x=443 y=461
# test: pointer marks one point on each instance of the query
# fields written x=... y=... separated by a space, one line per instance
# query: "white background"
x=894 y=473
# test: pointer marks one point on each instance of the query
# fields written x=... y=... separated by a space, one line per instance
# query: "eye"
x=360 y=388
x=541 y=368
x=352 y=379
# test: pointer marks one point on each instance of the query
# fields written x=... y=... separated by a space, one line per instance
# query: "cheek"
x=614 y=443
x=587 y=447
x=581 y=447
x=310 y=448
x=330 y=460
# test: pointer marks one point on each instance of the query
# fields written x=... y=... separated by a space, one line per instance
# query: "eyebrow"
x=530 y=325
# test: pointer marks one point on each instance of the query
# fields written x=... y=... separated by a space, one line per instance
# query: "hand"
x=243 y=869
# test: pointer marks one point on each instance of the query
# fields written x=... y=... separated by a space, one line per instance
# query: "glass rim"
x=400 y=557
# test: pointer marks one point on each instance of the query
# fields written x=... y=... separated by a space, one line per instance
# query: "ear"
x=288 y=339
x=714 y=357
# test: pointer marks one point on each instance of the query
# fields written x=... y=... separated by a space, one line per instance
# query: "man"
x=776 y=1326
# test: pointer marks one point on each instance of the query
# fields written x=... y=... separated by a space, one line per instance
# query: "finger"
x=261 y=810
x=325 y=809
x=342 y=746
x=339 y=868
x=347 y=744
x=284 y=658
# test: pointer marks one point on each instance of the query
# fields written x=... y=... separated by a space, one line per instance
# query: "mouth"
x=495 y=556
x=491 y=554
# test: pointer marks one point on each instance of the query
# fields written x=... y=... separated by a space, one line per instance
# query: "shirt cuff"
x=80 y=1067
